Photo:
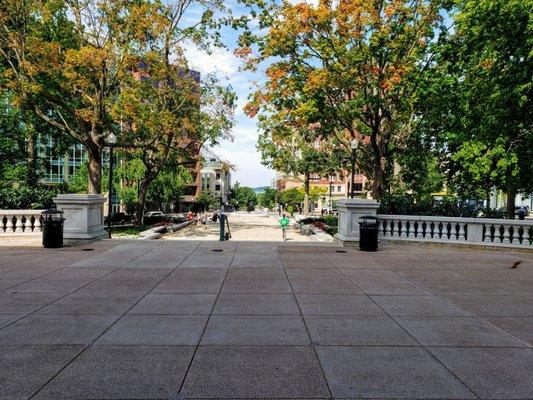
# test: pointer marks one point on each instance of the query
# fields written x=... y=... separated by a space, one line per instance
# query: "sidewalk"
x=198 y=319
x=243 y=227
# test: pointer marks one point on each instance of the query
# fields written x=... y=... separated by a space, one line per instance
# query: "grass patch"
x=128 y=230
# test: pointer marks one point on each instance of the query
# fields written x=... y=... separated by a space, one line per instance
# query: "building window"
x=339 y=189
x=218 y=175
x=217 y=188
x=358 y=187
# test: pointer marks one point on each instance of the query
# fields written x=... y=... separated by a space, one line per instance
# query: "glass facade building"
x=59 y=168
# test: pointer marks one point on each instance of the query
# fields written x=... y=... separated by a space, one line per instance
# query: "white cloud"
x=314 y=3
x=249 y=171
x=220 y=61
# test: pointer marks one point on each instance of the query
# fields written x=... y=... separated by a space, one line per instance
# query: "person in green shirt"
x=284 y=223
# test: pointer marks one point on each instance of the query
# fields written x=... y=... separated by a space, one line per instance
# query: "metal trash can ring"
x=368 y=233
x=52 y=228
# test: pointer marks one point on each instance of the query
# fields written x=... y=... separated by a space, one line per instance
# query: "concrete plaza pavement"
x=244 y=227
x=200 y=319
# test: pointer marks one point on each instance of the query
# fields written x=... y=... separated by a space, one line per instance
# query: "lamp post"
x=354 y=144
x=111 y=140
x=330 y=189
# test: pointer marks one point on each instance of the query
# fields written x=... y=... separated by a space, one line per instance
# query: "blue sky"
x=242 y=151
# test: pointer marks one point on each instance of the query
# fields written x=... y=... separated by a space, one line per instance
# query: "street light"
x=354 y=144
x=111 y=140
x=330 y=189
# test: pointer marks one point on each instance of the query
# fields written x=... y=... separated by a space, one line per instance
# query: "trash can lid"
x=51 y=211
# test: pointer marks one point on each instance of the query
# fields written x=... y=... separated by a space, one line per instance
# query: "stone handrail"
x=475 y=231
x=20 y=222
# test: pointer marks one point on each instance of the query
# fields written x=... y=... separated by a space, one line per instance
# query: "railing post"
x=475 y=232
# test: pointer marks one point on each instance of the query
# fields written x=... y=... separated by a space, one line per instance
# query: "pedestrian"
x=284 y=223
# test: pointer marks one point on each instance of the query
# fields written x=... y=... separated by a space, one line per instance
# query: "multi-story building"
x=215 y=176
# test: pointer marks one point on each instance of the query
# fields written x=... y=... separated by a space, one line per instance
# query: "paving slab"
x=95 y=303
x=155 y=330
x=255 y=330
x=255 y=372
x=6 y=319
x=127 y=280
x=256 y=285
x=25 y=303
x=56 y=329
x=492 y=373
x=256 y=303
x=25 y=369
x=330 y=304
x=122 y=372
x=323 y=286
x=177 y=284
x=357 y=330
x=175 y=303
x=411 y=306
x=491 y=305
x=465 y=287
x=257 y=272
x=456 y=331
x=519 y=327
x=388 y=372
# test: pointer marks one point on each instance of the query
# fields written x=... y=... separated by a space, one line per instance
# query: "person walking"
x=284 y=223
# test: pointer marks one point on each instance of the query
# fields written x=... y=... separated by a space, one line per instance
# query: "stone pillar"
x=350 y=210
x=84 y=217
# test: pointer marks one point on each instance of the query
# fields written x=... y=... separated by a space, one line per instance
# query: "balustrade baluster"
x=396 y=228
x=506 y=237
x=402 y=228
x=461 y=234
x=37 y=224
x=18 y=224
x=11 y=223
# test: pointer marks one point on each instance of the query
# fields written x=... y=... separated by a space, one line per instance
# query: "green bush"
x=23 y=197
x=449 y=206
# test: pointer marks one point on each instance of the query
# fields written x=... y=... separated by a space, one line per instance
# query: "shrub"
x=23 y=197
x=449 y=206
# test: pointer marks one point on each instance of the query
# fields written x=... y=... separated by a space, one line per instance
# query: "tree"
x=243 y=197
x=316 y=192
x=495 y=40
x=291 y=199
x=207 y=201
x=475 y=99
x=291 y=148
x=69 y=60
x=353 y=66
x=268 y=198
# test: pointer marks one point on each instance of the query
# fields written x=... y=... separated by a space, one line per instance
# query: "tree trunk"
x=378 y=182
x=139 y=207
x=94 y=185
x=31 y=149
x=306 y=194
x=511 y=195
x=143 y=191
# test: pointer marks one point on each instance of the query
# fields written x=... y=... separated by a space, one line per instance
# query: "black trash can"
x=52 y=228
x=368 y=233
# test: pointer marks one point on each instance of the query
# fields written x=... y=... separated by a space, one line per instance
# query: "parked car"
x=151 y=214
x=118 y=218
x=155 y=217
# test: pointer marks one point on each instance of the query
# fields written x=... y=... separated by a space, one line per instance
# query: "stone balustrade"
x=468 y=231
x=20 y=222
